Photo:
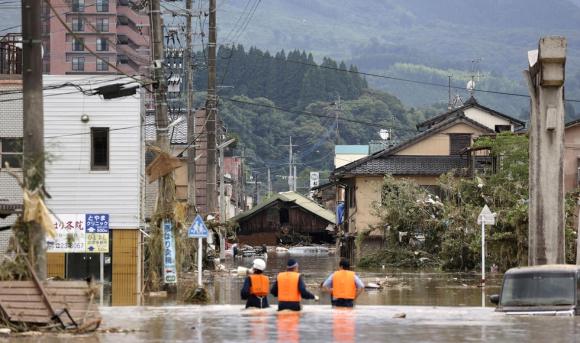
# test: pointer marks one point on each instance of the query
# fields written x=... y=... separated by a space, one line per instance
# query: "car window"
x=537 y=289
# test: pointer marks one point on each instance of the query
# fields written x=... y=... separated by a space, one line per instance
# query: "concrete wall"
x=438 y=144
x=571 y=156
x=368 y=191
x=485 y=118
x=342 y=159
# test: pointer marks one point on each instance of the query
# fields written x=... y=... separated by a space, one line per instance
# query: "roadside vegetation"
x=424 y=229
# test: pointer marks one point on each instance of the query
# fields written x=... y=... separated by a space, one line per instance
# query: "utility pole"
x=191 y=210
x=211 y=111
x=243 y=180
x=290 y=164
x=269 y=182
x=449 y=104
x=33 y=123
x=545 y=78
x=295 y=179
x=290 y=177
x=256 y=185
x=337 y=112
x=161 y=118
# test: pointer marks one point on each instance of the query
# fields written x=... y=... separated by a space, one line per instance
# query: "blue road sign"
x=198 y=228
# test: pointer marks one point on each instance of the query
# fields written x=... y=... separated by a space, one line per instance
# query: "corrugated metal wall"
x=74 y=187
x=55 y=265
x=125 y=267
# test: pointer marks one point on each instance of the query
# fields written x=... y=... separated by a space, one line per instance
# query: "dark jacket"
x=292 y=305
x=252 y=300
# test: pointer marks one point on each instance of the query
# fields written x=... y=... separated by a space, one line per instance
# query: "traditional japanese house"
x=286 y=218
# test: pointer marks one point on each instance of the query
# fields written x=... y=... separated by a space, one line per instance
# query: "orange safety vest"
x=343 y=285
x=260 y=285
x=288 y=286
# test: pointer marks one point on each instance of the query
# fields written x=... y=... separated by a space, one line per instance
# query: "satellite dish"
x=385 y=134
x=471 y=85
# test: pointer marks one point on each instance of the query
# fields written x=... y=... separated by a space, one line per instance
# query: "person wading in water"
x=290 y=288
x=256 y=286
x=343 y=285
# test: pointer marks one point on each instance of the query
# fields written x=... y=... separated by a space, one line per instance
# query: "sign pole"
x=102 y=276
x=199 y=261
x=483 y=251
x=198 y=230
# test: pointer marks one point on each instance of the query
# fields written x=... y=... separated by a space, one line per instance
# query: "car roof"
x=547 y=268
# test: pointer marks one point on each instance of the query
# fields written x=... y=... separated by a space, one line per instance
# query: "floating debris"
x=160 y=294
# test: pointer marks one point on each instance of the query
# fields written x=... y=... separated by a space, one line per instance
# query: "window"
x=284 y=216
x=103 y=24
x=458 y=142
x=102 y=44
x=78 y=44
x=102 y=5
x=122 y=59
x=102 y=64
x=78 y=5
x=351 y=193
x=99 y=148
x=78 y=64
x=11 y=152
x=503 y=128
x=78 y=25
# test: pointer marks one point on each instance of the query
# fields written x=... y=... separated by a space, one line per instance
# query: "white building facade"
x=96 y=165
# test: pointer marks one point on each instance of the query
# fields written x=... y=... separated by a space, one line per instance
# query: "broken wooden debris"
x=50 y=304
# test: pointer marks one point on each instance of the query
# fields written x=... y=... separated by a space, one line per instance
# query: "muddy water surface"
x=446 y=307
x=400 y=287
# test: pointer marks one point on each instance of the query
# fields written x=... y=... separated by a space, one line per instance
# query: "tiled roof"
x=348 y=168
x=178 y=133
x=471 y=102
x=410 y=165
x=296 y=198
x=572 y=123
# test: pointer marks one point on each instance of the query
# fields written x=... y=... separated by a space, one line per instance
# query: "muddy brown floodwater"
x=446 y=307
x=432 y=288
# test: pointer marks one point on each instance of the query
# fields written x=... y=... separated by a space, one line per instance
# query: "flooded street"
x=221 y=323
x=428 y=288
x=446 y=307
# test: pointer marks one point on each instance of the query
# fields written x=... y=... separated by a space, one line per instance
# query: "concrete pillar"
x=545 y=78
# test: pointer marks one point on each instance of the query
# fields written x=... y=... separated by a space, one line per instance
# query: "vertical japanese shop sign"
x=169 y=269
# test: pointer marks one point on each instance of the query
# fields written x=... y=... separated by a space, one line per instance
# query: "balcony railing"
x=11 y=54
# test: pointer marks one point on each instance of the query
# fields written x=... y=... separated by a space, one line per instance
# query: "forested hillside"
x=431 y=39
x=258 y=88
x=288 y=79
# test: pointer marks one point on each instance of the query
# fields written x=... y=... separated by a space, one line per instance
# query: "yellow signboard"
x=97 y=242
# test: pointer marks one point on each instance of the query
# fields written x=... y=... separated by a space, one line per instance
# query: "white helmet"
x=259 y=264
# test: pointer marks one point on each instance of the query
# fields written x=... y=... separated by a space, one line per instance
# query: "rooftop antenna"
x=475 y=75
x=449 y=102
x=471 y=86
x=385 y=134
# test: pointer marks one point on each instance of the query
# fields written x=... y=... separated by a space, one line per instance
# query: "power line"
x=394 y=78
x=312 y=114
x=68 y=84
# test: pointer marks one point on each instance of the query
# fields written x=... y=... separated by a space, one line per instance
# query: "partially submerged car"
x=540 y=290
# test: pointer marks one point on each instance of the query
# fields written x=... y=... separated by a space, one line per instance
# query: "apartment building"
x=117 y=30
